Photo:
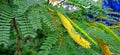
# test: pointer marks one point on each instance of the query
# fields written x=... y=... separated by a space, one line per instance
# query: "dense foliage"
x=35 y=27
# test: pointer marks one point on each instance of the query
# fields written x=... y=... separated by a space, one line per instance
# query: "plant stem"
x=16 y=29
x=48 y=1
x=19 y=51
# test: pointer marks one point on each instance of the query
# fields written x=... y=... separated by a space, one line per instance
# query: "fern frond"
x=4 y=41
x=109 y=31
x=48 y=21
x=48 y=44
x=49 y=24
x=5 y=19
x=25 y=27
x=24 y=5
x=34 y=17
x=111 y=42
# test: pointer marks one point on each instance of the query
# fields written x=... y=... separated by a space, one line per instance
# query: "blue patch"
x=90 y=15
x=66 y=14
x=114 y=5
x=108 y=23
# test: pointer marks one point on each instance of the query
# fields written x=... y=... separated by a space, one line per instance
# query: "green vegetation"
x=28 y=27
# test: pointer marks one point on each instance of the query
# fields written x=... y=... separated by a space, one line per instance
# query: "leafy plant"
x=30 y=27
